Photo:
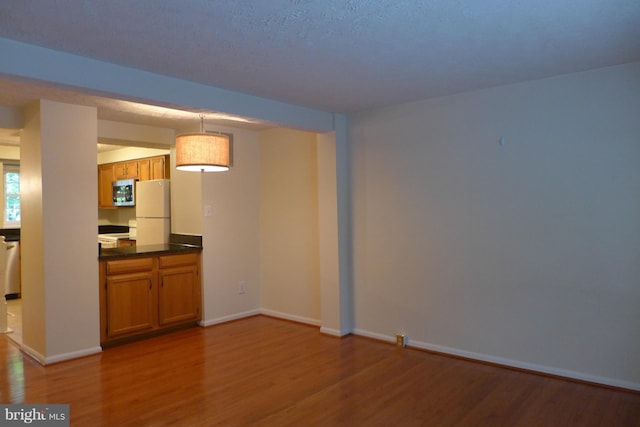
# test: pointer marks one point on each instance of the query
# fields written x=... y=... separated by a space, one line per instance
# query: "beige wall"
x=186 y=200
x=262 y=228
x=524 y=253
x=289 y=246
x=231 y=235
x=59 y=250
x=334 y=307
x=128 y=153
x=122 y=133
x=32 y=247
x=9 y=152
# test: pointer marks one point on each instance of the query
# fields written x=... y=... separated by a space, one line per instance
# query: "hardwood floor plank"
x=265 y=371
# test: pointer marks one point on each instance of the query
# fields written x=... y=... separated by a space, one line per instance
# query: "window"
x=11 y=196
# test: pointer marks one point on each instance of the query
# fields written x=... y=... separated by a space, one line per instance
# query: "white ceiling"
x=334 y=55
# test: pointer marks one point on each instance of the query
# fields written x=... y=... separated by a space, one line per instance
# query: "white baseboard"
x=581 y=376
x=292 y=317
x=266 y=312
x=228 y=318
x=73 y=355
x=333 y=332
x=44 y=360
x=279 y=315
x=374 y=335
x=41 y=359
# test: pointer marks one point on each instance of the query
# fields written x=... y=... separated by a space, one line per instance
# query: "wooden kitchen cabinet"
x=126 y=242
x=153 y=168
x=144 y=170
x=126 y=170
x=130 y=304
x=106 y=175
x=179 y=292
x=158 y=167
x=143 y=296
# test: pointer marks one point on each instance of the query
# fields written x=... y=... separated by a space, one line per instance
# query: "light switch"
x=208 y=210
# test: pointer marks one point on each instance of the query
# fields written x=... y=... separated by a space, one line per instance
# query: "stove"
x=111 y=240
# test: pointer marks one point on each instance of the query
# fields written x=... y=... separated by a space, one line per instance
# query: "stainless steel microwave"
x=124 y=192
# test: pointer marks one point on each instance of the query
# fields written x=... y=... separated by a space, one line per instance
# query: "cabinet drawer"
x=126 y=242
x=129 y=265
x=168 y=261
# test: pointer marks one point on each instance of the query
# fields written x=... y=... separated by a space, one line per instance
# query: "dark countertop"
x=108 y=229
x=146 y=250
x=10 y=234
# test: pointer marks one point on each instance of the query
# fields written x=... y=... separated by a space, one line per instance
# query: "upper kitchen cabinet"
x=127 y=170
x=144 y=169
x=157 y=167
x=160 y=167
x=153 y=168
x=106 y=175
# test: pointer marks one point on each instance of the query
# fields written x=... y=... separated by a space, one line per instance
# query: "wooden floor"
x=264 y=371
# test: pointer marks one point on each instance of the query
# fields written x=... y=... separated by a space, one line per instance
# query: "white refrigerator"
x=153 y=212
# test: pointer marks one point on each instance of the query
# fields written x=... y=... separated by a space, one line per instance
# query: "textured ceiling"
x=337 y=55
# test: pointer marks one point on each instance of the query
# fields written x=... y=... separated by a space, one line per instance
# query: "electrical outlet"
x=242 y=287
x=401 y=340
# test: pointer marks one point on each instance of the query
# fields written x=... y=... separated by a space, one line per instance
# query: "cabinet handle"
x=150 y=284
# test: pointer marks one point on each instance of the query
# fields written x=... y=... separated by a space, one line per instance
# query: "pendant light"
x=203 y=152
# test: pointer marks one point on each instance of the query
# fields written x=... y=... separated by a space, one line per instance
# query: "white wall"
x=331 y=301
x=60 y=310
x=120 y=133
x=119 y=216
x=186 y=201
x=9 y=152
x=129 y=153
x=231 y=235
x=11 y=117
x=526 y=254
x=289 y=246
x=31 y=240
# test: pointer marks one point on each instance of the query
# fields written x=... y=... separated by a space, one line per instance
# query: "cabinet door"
x=157 y=167
x=144 y=171
x=105 y=177
x=130 y=304
x=127 y=170
x=132 y=169
x=120 y=170
x=178 y=295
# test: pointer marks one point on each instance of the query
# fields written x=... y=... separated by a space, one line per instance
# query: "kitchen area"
x=10 y=307
x=60 y=292
x=130 y=192
x=134 y=239
x=149 y=278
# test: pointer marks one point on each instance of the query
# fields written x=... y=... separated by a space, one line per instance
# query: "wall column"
x=335 y=230
x=58 y=232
